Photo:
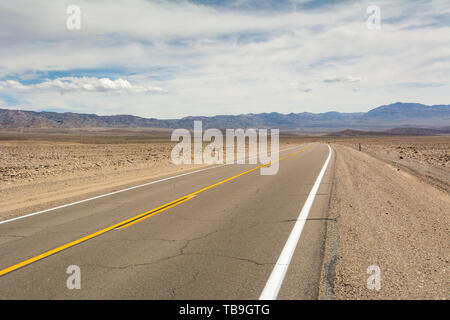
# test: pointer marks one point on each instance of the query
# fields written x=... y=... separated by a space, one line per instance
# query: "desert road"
x=220 y=233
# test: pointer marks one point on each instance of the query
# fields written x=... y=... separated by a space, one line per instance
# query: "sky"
x=171 y=59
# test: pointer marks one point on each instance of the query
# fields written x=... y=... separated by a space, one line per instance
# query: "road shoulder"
x=383 y=216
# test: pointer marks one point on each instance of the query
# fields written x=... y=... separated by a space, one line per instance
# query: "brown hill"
x=378 y=119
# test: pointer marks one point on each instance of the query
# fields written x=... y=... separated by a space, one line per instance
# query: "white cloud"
x=346 y=79
x=74 y=84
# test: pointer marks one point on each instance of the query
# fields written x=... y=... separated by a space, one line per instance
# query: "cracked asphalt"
x=221 y=244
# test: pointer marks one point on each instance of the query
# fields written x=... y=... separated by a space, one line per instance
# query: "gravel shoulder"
x=426 y=157
x=381 y=215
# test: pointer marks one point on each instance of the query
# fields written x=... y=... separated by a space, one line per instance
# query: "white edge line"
x=123 y=190
x=276 y=278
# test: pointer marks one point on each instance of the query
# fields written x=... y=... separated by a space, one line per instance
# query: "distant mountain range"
x=378 y=119
x=393 y=132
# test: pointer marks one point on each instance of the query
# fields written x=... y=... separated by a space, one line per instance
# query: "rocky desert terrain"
x=41 y=174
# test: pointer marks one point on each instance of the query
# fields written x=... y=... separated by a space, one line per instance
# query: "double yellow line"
x=135 y=219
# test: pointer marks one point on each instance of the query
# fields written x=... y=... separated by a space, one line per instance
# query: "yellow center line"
x=155 y=211
x=136 y=219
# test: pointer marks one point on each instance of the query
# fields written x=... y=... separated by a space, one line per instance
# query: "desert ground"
x=389 y=208
x=427 y=157
x=389 y=204
x=39 y=170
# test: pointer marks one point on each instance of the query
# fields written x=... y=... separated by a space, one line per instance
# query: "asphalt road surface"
x=213 y=234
